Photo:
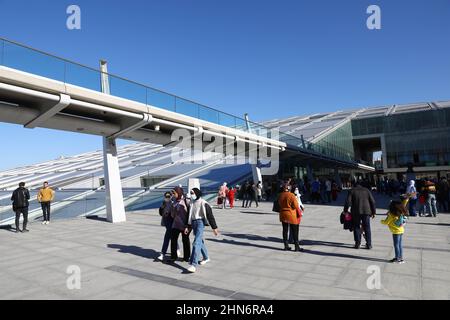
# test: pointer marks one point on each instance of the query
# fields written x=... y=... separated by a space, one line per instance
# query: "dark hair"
x=45 y=182
x=197 y=192
x=167 y=194
x=22 y=184
x=397 y=208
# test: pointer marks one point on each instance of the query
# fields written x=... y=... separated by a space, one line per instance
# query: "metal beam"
x=146 y=119
x=64 y=101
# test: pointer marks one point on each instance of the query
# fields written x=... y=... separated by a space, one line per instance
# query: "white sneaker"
x=191 y=269
x=178 y=253
x=44 y=222
x=203 y=262
x=47 y=222
x=161 y=257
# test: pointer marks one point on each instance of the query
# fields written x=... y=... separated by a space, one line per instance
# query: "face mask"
x=194 y=196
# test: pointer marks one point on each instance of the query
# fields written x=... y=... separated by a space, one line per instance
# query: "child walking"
x=395 y=220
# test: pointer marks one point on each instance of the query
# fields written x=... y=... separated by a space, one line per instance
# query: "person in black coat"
x=362 y=205
x=20 y=199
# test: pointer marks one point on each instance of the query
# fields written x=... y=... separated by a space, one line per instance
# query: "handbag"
x=276 y=206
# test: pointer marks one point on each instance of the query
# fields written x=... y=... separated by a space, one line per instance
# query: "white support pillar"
x=115 y=209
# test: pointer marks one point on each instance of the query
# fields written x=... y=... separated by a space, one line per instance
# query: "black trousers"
x=363 y=221
x=174 y=242
x=46 y=210
x=254 y=198
x=23 y=211
x=294 y=231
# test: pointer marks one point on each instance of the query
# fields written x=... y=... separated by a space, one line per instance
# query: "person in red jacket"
x=230 y=196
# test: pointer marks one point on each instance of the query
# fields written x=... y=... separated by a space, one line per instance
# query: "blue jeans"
x=198 y=247
x=431 y=204
x=412 y=207
x=398 y=246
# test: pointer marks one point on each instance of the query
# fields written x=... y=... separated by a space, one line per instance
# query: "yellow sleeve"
x=39 y=196
x=388 y=220
x=405 y=202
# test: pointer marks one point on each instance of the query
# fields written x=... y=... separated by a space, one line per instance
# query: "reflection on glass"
x=187 y=108
x=208 y=114
x=31 y=61
x=83 y=77
x=160 y=99
x=127 y=89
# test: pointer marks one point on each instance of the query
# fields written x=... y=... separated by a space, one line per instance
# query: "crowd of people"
x=189 y=213
x=432 y=195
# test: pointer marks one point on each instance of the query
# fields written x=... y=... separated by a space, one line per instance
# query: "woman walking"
x=179 y=213
x=167 y=222
x=200 y=215
x=290 y=216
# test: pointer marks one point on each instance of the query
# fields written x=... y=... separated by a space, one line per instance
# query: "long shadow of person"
x=145 y=253
x=307 y=251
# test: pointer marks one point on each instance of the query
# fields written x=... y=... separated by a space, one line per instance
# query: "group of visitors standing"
x=251 y=192
x=226 y=195
x=21 y=201
x=182 y=214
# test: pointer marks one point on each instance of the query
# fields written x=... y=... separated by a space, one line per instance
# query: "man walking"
x=362 y=205
x=20 y=201
x=45 y=196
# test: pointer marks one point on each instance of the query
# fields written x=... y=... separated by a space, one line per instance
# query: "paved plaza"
x=117 y=261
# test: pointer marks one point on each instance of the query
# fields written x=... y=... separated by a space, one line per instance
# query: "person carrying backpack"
x=395 y=220
x=20 y=199
x=200 y=215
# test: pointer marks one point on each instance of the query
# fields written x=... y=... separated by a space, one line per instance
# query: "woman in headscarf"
x=290 y=215
x=200 y=215
x=412 y=193
x=180 y=213
x=223 y=191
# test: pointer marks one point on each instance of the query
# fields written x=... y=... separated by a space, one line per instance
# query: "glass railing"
x=33 y=61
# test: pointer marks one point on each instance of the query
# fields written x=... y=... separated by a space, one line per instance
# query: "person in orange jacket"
x=290 y=216
x=45 y=196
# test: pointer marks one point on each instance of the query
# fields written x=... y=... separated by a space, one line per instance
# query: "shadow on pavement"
x=252 y=237
x=145 y=253
x=343 y=255
x=245 y=244
x=432 y=224
x=307 y=251
x=307 y=242
x=135 y=250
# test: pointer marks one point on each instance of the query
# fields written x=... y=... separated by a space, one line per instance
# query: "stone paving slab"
x=247 y=260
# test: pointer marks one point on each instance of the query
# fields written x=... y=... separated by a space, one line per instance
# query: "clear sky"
x=272 y=59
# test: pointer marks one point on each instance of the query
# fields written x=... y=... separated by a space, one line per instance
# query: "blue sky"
x=272 y=59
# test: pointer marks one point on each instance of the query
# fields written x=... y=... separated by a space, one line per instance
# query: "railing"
x=24 y=58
